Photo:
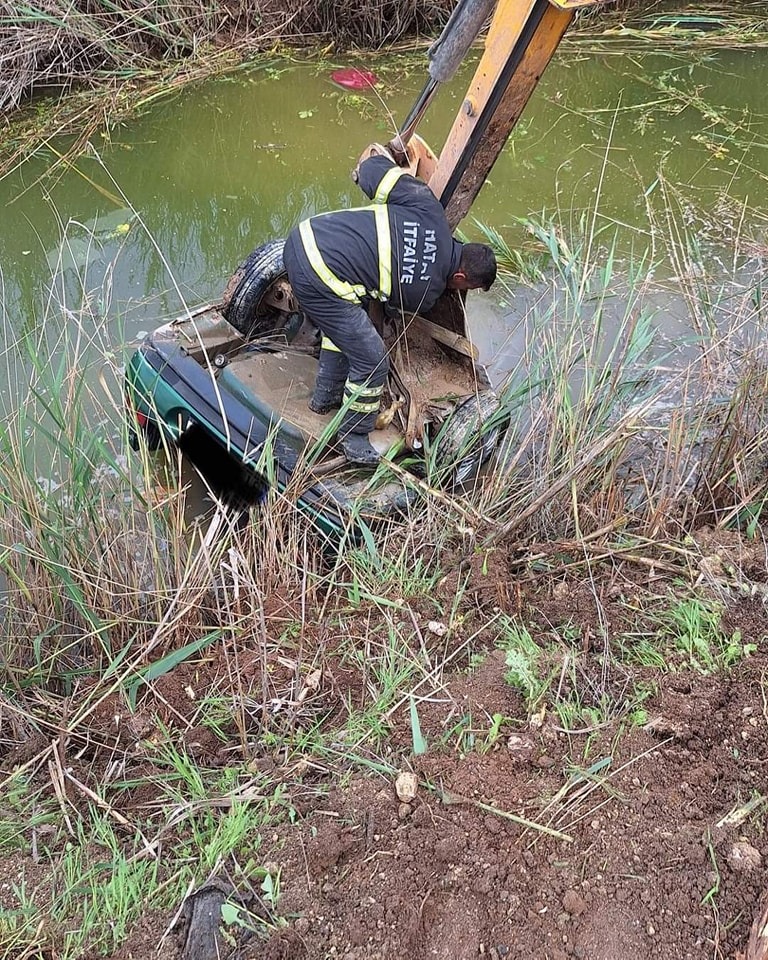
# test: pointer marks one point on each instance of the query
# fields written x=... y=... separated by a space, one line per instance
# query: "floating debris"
x=354 y=78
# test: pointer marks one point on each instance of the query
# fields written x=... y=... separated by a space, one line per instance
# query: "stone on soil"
x=743 y=857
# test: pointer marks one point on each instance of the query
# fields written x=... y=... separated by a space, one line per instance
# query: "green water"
x=165 y=206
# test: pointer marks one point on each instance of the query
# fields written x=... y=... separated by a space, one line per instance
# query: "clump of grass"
x=576 y=399
x=684 y=632
x=514 y=263
x=692 y=628
x=526 y=669
x=598 y=438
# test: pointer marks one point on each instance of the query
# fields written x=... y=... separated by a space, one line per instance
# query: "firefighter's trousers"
x=353 y=361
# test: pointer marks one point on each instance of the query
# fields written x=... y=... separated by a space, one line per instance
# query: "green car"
x=241 y=372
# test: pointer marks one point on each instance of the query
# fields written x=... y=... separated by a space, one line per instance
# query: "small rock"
x=406 y=786
x=438 y=628
x=404 y=811
x=545 y=762
x=520 y=747
x=667 y=727
x=574 y=903
x=743 y=857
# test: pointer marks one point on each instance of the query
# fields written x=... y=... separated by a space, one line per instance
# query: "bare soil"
x=660 y=859
x=651 y=869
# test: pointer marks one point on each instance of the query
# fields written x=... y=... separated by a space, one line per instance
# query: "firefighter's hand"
x=398 y=151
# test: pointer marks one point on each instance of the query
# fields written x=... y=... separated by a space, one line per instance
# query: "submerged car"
x=242 y=371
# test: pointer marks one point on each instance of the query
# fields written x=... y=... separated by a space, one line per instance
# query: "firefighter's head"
x=477 y=268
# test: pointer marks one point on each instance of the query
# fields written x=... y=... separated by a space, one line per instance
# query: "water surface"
x=164 y=207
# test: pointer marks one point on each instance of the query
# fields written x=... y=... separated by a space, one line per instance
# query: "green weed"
x=417 y=737
x=100 y=888
x=494 y=732
x=21 y=926
x=376 y=573
x=525 y=662
x=684 y=633
x=24 y=810
x=693 y=629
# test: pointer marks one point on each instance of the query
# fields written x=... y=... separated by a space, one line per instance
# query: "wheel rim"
x=277 y=312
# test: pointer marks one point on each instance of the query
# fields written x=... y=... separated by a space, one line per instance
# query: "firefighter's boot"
x=359 y=450
x=358 y=421
x=332 y=368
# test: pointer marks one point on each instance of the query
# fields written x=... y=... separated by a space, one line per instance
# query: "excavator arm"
x=521 y=41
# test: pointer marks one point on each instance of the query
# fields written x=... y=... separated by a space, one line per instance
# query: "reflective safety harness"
x=384 y=238
x=386 y=184
x=354 y=292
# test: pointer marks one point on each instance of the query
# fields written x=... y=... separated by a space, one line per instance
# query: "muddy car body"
x=248 y=388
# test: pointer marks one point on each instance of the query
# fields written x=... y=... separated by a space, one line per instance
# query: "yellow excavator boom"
x=520 y=42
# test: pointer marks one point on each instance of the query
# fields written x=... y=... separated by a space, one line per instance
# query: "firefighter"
x=398 y=250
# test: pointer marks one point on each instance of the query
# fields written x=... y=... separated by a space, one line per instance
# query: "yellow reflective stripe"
x=327 y=344
x=384 y=239
x=347 y=291
x=359 y=407
x=363 y=399
x=362 y=391
x=386 y=184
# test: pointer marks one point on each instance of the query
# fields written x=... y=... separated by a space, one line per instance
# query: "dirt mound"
x=616 y=833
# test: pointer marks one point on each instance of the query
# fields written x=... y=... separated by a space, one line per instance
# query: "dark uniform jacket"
x=410 y=267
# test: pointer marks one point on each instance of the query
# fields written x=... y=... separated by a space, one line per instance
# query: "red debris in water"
x=354 y=78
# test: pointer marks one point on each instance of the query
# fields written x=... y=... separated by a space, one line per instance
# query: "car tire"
x=469 y=438
x=244 y=297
